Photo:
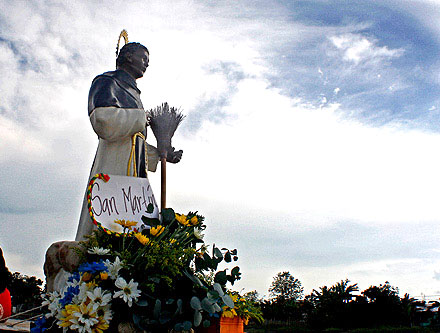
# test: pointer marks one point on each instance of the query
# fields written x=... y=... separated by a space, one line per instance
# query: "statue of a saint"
x=116 y=114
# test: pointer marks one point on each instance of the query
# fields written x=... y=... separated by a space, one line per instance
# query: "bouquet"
x=155 y=276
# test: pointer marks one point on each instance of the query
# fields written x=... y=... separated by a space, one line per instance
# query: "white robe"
x=115 y=128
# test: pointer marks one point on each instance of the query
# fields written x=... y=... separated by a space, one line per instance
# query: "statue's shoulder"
x=111 y=75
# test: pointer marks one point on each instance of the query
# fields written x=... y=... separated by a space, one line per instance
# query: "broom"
x=164 y=122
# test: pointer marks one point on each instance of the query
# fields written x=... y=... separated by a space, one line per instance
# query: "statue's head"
x=134 y=59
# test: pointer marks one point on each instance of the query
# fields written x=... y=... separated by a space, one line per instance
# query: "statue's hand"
x=174 y=156
x=147 y=118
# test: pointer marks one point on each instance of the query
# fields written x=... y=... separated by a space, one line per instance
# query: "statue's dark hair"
x=4 y=273
x=128 y=48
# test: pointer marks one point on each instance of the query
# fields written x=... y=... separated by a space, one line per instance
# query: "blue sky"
x=310 y=142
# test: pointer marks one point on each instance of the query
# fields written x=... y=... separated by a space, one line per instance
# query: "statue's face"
x=137 y=63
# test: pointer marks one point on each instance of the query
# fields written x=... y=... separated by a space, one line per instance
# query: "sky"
x=310 y=141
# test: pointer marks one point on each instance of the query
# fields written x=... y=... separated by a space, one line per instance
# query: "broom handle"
x=163 y=182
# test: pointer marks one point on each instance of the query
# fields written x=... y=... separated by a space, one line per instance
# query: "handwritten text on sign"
x=122 y=198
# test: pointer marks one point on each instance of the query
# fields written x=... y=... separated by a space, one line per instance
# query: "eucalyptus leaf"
x=213 y=295
x=197 y=318
x=207 y=305
x=220 y=277
x=206 y=323
x=217 y=307
x=150 y=208
x=217 y=253
x=218 y=288
x=228 y=301
x=193 y=278
x=187 y=325
x=157 y=308
x=179 y=306
x=178 y=327
x=170 y=301
x=195 y=303
x=136 y=320
x=142 y=303
x=228 y=257
x=168 y=215
x=152 y=222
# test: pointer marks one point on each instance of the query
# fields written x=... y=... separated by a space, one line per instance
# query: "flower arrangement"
x=243 y=308
x=157 y=276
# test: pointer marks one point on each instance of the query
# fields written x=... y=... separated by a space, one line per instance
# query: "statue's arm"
x=113 y=123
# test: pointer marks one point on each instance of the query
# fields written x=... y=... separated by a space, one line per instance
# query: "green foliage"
x=285 y=287
x=26 y=291
x=176 y=274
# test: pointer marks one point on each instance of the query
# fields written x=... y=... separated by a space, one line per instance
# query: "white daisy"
x=113 y=268
x=198 y=233
x=99 y=298
x=82 y=295
x=105 y=313
x=99 y=251
x=53 y=303
x=128 y=292
x=86 y=317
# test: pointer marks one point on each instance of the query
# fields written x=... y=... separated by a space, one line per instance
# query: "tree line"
x=342 y=307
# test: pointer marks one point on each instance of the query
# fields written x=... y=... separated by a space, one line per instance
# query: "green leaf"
x=152 y=222
x=206 y=323
x=136 y=320
x=228 y=300
x=168 y=215
x=220 y=277
x=193 y=278
x=207 y=305
x=142 y=303
x=217 y=253
x=150 y=208
x=228 y=257
x=154 y=279
x=187 y=325
x=218 y=288
x=197 y=318
x=235 y=271
x=213 y=295
x=157 y=308
x=195 y=303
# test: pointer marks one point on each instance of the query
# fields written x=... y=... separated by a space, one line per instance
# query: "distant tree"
x=285 y=287
x=332 y=305
x=385 y=306
x=26 y=291
x=253 y=296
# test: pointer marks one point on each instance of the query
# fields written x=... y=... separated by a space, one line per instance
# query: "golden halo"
x=123 y=34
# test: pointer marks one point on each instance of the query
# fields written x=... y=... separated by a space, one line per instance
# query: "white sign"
x=122 y=198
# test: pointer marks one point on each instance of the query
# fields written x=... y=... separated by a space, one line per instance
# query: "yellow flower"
x=141 y=238
x=86 y=276
x=229 y=313
x=103 y=275
x=194 y=220
x=172 y=241
x=91 y=284
x=156 y=231
x=101 y=326
x=67 y=315
x=182 y=219
x=126 y=224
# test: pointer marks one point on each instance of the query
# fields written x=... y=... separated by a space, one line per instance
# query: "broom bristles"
x=164 y=122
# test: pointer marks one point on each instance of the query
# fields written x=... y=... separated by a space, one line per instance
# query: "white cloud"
x=357 y=49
